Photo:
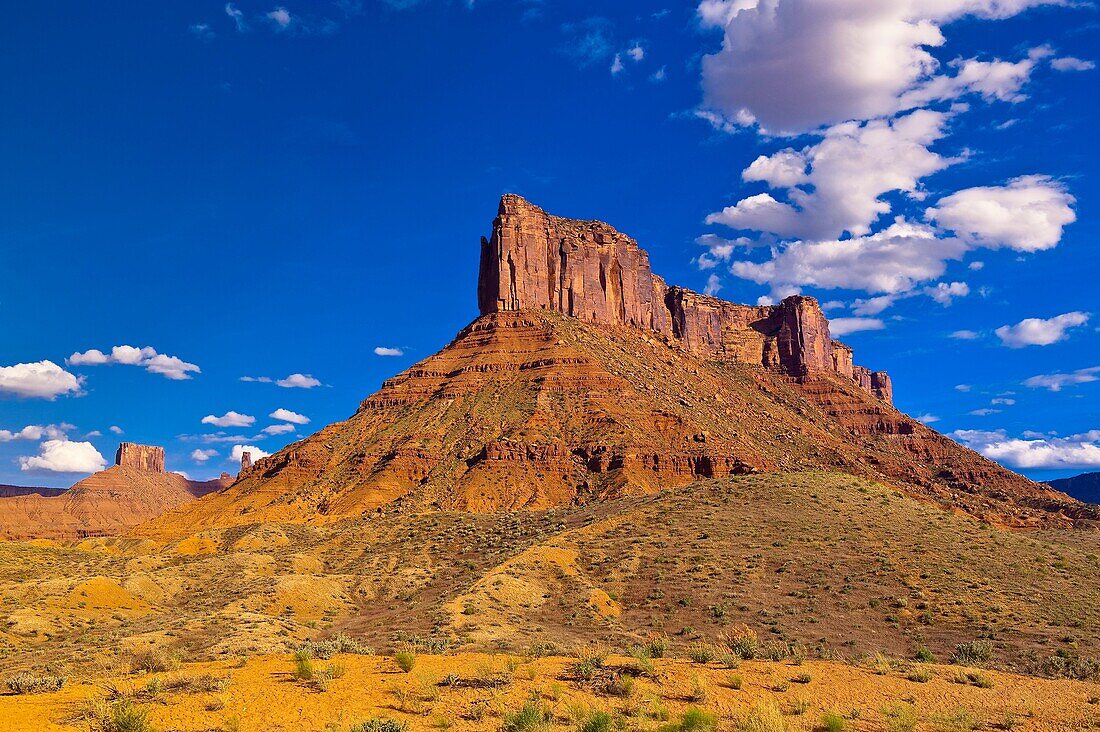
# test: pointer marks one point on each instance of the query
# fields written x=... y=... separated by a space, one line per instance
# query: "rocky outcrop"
x=140 y=457
x=246 y=461
x=590 y=271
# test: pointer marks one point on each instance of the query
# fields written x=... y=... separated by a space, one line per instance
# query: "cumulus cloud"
x=1036 y=451
x=714 y=285
x=229 y=419
x=945 y=292
x=1027 y=215
x=1058 y=381
x=1070 y=63
x=388 y=351
x=298 y=381
x=928 y=418
x=62 y=456
x=844 y=326
x=116 y=429
x=41 y=380
x=34 y=432
x=286 y=415
x=848 y=173
x=1040 y=332
x=796 y=65
x=893 y=260
x=170 y=367
x=201 y=456
x=279 y=429
x=238 y=450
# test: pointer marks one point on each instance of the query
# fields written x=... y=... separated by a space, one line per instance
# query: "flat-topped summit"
x=142 y=457
x=591 y=271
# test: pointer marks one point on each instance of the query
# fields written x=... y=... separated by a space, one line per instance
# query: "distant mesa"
x=586 y=377
x=135 y=489
x=1084 y=487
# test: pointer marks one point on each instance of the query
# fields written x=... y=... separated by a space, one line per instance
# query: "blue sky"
x=264 y=190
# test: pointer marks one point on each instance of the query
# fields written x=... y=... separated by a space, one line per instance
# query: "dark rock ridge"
x=1084 y=487
x=590 y=271
x=141 y=457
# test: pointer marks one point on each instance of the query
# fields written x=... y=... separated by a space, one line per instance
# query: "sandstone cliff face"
x=140 y=457
x=590 y=271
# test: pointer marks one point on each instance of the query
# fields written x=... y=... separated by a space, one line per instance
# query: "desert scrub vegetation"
x=919 y=675
x=380 y=724
x=973 y=678
x=742 y=642
x=303 y=665
x=764 y=717
x=339 y=643
x=693 y=719
x=154 y=661
x=703 y=652
x=531 y=717
x=323 y=678
x=831 y=722
x=405 y=659
x=28 y=683
x=972 y=653
x=118 y=716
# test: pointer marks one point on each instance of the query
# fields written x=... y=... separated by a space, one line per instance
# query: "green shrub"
x=802 y=678
x=656 y=646
x=831 y=722
x=743 y=642
x=531 y=718
x=920 y=675
x=380 y=724
x=702 y=652
x=122 y=716
x=339 y=643
x=901 y=718
x=764 y=717
x=405 y=659
x=734 y=681
x=597 y=721
x=973 y=653
x=696 y=720
x=303 y=664
x=924 y=655
x=27 y=683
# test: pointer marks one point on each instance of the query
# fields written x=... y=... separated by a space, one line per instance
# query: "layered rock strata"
x=140 y=457
x=590 y=271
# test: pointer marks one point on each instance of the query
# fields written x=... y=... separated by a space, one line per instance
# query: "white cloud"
x=279 y=429
x=849 y=171
x=1040 y=332
x=714 y=285
x=1003 y=400
x=1057 y=382
x=258 y=379
x=963 y=387
x=975 y=266
x=237 y=16
x=298 y=381
x=945 y=292
x=617 y=66
x=872 y=305
x=202 y=31
x=116 y=429
x=62 y=456
x=1069 y=63
x=844 y=326
x=388 y=351
x=288 y=416
x=280 y=17
x=891 y=261
x=201 y=456
x=229 y=419
x=928 y=418
x=238 y=450
x=42 y=380
x=170 y=367
x=1036 y=452
x=659 y=75
x=984 y=412
x=35 y=432
x=796 y=65
x=636 y=52
x=1027 y=215
x=965 y=335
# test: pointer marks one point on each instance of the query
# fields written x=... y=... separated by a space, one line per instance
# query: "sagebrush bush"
x=743 y=642
x=339 y=643
x=831 y=722
x=28 y=683
x=380 y=724
x=972 y=653
x=530 y=718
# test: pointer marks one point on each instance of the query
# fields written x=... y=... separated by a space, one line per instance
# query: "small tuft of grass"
x=530 y=718
x=380 y=724
x=405 y=660
x=303 y=664
x=764 y=717
x=802 y=678
x=27 y=683
x=831 y=722
x=920 y=675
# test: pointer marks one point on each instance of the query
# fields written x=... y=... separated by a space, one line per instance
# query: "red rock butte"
x=140 y=457
x=590 y=271
x=587 y=378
